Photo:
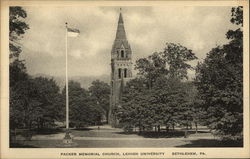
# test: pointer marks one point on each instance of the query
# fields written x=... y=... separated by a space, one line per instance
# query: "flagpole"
x=67 y=140
x=66 y=78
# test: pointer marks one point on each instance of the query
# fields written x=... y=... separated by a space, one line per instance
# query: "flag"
x=73 y=32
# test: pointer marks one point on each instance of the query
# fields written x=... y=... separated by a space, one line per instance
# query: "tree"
x=134 y=110
x=159 y=96
x=175 y=99
x=20 y=104
x=173 y=61
x=219 y=81
x=19 y=79
x=177 y=56
x=35 y=103
x=17 y=28
x=100 y=92
x=51 y=106
x=151 y=68
x=82 y=109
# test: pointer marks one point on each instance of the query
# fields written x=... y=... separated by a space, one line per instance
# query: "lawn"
x=112 y=137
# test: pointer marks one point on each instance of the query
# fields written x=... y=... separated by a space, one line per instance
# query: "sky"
x=148 y=29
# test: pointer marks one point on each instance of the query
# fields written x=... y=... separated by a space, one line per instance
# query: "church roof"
x=120 y=33
x=120 y=18
x=121 y=39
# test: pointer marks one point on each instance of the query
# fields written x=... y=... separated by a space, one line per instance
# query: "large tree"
x=51 y=105
x=159 y=96
x=19 y=79
x=133 y=111
x=219 y=81
x=151 y=68
x=21 y=104
x=17 y=27
x=100 y=93
x=177 y=58
x=83 y=110
x=34 y=102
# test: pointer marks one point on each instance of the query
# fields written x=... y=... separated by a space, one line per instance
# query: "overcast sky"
x=147 y=28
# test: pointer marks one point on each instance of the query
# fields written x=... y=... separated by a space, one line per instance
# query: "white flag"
x=73 y=32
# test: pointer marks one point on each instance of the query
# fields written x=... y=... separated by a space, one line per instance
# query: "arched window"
x=120 y=73
x=122 y=54
x=125 y=73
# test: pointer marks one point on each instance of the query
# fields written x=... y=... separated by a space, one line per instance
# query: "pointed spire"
x=120 y=17
x=120 y=33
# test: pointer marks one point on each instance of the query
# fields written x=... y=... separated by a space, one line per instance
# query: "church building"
x=121 y=68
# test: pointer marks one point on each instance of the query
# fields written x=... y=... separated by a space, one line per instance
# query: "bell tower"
x=121 y=68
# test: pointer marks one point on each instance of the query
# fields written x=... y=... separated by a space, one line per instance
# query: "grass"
x=112 y=137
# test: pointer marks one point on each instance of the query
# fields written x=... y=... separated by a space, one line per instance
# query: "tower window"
x=125 y=73
x=120 y=73
x=117 y=53
x=122 y=54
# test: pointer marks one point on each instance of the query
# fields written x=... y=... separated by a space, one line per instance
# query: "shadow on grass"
x=82 y=129
x=19 y=145
x=56 y=131
x=47 y=131
x=162 y=134
x=212 y=143
x=156 y=134
x=194 y=132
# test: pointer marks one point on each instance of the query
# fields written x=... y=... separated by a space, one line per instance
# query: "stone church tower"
x=121 y=68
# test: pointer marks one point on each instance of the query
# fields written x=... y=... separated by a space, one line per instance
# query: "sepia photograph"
x=126 y=76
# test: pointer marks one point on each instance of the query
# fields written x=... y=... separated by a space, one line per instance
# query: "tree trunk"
x=139 y=127
x=107 y=116
x=41 y=122
x=30 y=124
x=196 y=127
x=186 y=131
x=159 y=128
x=187 y=123
x=167 y=128
x=37 y=121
